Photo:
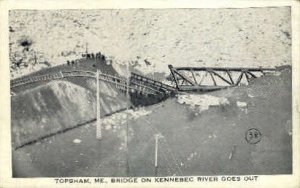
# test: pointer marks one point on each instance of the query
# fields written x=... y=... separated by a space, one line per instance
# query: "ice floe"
x=115 y=120
x=202 y=102
x=241 y=104
x=76 y=141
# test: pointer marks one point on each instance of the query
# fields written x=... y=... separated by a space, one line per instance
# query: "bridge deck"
x=145 y=85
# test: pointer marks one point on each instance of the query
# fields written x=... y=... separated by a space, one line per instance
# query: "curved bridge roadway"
x=138 y=83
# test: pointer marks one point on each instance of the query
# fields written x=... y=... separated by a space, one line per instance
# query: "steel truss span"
x=205 y=79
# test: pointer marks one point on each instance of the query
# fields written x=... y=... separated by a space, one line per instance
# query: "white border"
x=5 y=138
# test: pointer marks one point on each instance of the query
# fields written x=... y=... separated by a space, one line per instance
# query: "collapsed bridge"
x=205 y=79
x=137 y=83
x=143 y=91
x=186 y=79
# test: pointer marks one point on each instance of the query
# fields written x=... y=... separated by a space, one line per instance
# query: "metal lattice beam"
x=192 y=84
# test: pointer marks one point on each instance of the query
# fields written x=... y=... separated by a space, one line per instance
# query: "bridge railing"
x=119 y=82
x=152 y=82
x=28 y=80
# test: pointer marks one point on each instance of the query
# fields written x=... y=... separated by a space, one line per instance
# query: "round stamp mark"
x=253 y=136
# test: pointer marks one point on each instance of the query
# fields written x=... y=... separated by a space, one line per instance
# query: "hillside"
x=59 y=106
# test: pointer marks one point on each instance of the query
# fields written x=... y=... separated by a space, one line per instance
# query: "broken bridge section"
x=205 y=79
x=140 y=87
x=146 y=91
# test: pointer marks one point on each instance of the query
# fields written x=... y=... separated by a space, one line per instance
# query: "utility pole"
x=156 y=154
x=98 y=125
x=126 y=137
x=86 y=48
x=35 y=58
x=128 y=82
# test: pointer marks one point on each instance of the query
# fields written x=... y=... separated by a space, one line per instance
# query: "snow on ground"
x=150 y=39
x=201 y=102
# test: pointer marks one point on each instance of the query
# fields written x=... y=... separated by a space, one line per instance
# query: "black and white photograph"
x=151 y=92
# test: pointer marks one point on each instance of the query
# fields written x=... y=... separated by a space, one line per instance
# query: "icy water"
x=198 y=135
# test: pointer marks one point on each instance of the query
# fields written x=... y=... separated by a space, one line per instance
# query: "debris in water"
x=108 y=127
x=241 y=104
x=76 y=141
x=232 y=152
x=250 y=93
x=288 y=127
x=114 y=121
x=277 y=73
x=202 y=102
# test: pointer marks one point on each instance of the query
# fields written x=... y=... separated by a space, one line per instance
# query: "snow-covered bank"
x=58 y=106
x=151 y=39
